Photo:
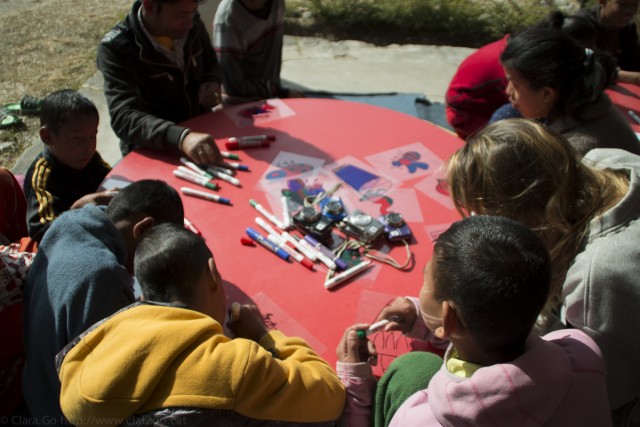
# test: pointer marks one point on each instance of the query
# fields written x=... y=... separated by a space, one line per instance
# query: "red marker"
x=240 y=145
x=252 y=138
x=191 y=227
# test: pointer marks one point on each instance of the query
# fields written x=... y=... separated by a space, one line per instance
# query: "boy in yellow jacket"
x=167 y=358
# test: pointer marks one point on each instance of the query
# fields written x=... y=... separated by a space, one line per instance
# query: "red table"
x=292 y=297
x=627 y=98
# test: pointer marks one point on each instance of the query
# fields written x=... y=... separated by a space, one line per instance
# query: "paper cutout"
x=403 y=163
x=282 y=321
x=241 y=115
x=435 y=230
x=435 y=186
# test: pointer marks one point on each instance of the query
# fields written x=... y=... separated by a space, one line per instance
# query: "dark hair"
x=60 y=106
x=160 y=3
x=577 y=27
x=548 y=57
x=153 y=197
x=497 y=273
x=169 y=260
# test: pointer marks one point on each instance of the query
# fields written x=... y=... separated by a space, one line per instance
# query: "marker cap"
x=247 y=241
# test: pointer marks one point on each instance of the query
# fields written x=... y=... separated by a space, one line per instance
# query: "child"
x=69 y=170
x=483 y=289
x=247 y=37
x=617 y=34
x=169 y=353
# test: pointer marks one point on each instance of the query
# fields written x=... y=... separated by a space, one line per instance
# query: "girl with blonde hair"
x=588 y=214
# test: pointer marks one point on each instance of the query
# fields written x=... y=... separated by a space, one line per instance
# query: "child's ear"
x=451 y=323
x=141 y=226
x=213 y=272
x=45 y=135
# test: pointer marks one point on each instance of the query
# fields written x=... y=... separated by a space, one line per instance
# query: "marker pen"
x=259 y=238
x=311 y=255
x=240 y=145
x=634 y=116
x=204 y=195
x=190 y=172
x=327 y=252
x=279 y=241
x=286 y=218
x=275 y=221
x=230 y=172
x=196 y=180
x=238 y=166
x=252 y=138
x=322 y=257
x=224 y=176
x=375 y=327
x=191 y=227
x=231 y=156
x=197 y=169
x=341 y=277
x=265 y=226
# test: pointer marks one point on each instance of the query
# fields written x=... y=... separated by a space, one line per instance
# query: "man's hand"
x=100 y=198
x=201 y=148
x=353 y=349
x=209 y=94
x=245 y=321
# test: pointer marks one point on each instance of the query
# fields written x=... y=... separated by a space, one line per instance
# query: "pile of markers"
x=305 y=250
x=204 y=176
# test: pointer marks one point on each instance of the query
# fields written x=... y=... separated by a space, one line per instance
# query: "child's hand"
x=100 y=198
x=245 y=321
x=403 y=309
x=353 y=349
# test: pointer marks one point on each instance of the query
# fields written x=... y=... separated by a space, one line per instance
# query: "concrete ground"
x=319 y=65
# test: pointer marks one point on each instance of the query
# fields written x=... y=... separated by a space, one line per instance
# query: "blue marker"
x=259 y=238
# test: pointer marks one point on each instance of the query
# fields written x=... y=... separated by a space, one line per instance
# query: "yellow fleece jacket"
x=149 y=357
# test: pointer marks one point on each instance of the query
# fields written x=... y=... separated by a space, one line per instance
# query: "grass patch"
x=450 y=22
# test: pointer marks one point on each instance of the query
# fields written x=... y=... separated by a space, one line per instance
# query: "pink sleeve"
x=360 y=386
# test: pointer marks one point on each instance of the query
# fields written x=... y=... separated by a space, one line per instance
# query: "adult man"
x=247 y=36
x=160 y=69
x=82 y=274
x=616 y=33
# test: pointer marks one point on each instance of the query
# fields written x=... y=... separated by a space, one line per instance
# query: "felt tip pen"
x=190 y=172
x=240 y=145
x=321 y=257
x=286 y=217
x=275 y=221
x=340 y=264
x=310 y=255
x=231 y=156
x=265 y=226
x=230 y=172
x=259 y=238
x=197 y=169
x=196 y=180
x=375 y=327
x=347 y=274
x=238 y=166
x=634 y=116
x=253 y=138
x=191 y=227
x=204 y=195
x=224 y=176
x=279 y=241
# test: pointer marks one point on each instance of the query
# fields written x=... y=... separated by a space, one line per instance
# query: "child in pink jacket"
x=483 y=289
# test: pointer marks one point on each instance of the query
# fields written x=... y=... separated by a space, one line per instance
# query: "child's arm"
x=353 y=368
x=99 y=198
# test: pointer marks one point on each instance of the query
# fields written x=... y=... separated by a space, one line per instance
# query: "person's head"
x=618 y=13
x=577 y=27
x=551 y=75
x=488 y=280
x=139 y=206
x=173 y=265
x=524 y=171
x=169 y=18
x=68 y=126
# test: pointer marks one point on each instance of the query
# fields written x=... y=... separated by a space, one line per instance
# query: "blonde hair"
x=521 y=170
